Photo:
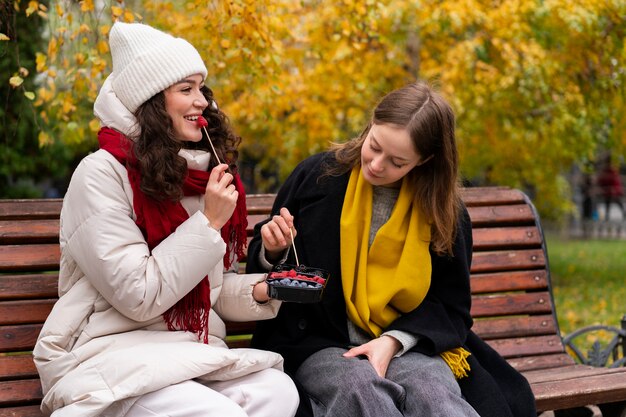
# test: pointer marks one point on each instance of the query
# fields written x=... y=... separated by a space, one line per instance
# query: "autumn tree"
x=537 y=85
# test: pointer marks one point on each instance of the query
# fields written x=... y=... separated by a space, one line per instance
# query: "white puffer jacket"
x=105 y=339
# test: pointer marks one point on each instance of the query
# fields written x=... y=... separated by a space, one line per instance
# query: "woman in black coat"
x=392 y=334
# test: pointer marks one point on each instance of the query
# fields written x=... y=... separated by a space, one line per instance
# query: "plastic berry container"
x=297 y=283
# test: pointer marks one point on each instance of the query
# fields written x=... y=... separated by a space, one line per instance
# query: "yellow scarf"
x=392 y=276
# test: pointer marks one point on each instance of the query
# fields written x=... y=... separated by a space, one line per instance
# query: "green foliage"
x=23 y=163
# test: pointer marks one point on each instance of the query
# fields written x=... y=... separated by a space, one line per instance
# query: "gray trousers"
x=415 y=385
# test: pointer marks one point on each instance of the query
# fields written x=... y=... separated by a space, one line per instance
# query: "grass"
x=589 y=285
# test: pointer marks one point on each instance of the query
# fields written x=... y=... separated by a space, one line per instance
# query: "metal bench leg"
x=613 y=409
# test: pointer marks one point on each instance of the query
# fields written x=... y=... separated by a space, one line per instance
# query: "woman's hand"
x=220 y=198
x=379 y=352
x=276 y=234
x=259 y=292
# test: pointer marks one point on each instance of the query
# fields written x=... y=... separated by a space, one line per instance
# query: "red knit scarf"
x=158 y=219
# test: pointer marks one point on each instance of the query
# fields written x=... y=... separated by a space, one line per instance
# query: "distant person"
x=611 y=188
x=151 y=228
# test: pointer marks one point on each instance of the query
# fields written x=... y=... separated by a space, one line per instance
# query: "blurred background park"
x=538 y=87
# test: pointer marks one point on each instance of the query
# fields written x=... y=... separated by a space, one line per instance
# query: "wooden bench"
x=512 y=300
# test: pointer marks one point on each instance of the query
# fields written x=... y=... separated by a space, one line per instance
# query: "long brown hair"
x=430 y=121
x=163 y=171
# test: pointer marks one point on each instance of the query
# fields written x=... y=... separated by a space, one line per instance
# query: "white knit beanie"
x=147 y=61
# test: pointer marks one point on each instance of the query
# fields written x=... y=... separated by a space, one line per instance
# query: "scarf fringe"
x=457 y=361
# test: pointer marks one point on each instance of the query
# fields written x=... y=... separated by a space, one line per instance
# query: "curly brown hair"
x=430 y=121
x=162 y=170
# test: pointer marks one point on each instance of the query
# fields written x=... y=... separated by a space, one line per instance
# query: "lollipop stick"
x=293 y=244
x=211 y=143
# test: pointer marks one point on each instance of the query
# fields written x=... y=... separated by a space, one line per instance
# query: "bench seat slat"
x=591 y=387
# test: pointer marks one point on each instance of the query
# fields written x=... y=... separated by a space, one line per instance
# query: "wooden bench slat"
x=528 y=363
x=490 y=196
x=509 y=260
x=28 y=286
x=524 y=346
x=519 y=214
x=509 y=281
x=25 y=311
x=25 y=391
x=44 y=208
x=511 y=304
x=506 y=237
x=25 y=411
x=19 y=337
x=17 y=367
x=515 y=327
x=29 y=231
x=585 y=389
x=29 y=257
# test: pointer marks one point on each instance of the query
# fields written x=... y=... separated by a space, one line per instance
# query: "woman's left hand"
x=259 y=292
x=379 y=352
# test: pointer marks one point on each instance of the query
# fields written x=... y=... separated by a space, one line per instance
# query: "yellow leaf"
x=44 y=139
x=86 y=6
x=84 y=28
x=33 y=6
x=128 y=17
x=225 y=43
x=4 y=37
x=23 y=72
x=40 y=60
x=59 y=10
x=102 y=47
x=16 y=81
x=29 y=95
x=116 y=11
x=94 y=125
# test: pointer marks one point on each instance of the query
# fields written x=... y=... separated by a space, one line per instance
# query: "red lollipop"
x=201 y=122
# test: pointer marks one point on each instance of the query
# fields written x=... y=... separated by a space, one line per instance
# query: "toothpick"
x=293 y=244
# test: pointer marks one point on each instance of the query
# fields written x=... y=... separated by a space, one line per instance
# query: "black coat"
x=441 y=322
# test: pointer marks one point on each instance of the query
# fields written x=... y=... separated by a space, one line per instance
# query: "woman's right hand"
x=220 y=198
x=276 y=234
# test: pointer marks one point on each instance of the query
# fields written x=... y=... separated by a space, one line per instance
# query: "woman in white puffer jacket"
x=149 y=224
